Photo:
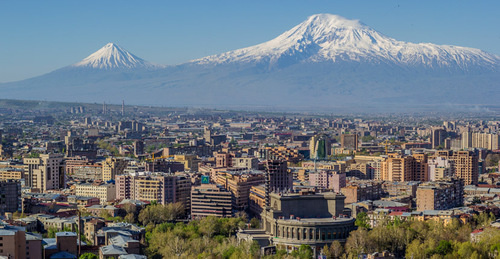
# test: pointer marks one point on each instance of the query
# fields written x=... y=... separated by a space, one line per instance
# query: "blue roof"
x=63 y=255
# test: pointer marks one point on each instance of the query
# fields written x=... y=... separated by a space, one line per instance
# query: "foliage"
x=88 y=256
x=105 y=214
x=255 y=223
x=51 y=232
x=34 y=154
x=210 y=237
x=157 y=213
x=419 y=239
x=105 y=145
x=362 y=220
x=492 y=159
x=367 y=138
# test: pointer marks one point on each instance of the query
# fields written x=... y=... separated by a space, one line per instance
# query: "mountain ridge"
x=334 y=38
x=325 y=61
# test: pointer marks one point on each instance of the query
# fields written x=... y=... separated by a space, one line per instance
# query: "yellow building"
x=105 y=192
x=190 y=161
x=112 y=167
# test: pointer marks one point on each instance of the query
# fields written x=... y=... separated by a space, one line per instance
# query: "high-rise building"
x=211 y=200
x=465 y=164
x=405 y=168
x=349 y=141
x=112 y=167
x=45 y=172
x=239 y=183
x=480 y=140
x=440 y=195
x=320 y=147
x=466 y=140
x=277 y=176
x=138 y=147
x=10 y=195
x=438 y=136
x=160 y=187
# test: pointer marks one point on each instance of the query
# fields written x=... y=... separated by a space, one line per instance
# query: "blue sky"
x=37 y=37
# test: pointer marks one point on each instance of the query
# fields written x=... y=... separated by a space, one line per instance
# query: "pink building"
x=328 y=179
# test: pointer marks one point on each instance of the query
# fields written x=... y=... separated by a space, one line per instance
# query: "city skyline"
x=41 y=37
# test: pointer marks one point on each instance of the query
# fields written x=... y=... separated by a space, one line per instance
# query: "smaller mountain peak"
x=112 y=56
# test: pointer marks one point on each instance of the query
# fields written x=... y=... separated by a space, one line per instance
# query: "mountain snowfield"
x=328 y=37
x=326 y=63
x=112 y=56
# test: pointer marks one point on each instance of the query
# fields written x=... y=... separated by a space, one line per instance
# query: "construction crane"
x=386 y=144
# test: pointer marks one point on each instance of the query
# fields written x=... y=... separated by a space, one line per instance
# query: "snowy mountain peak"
x=332 y=21
x=333 y=38
x=112 y=56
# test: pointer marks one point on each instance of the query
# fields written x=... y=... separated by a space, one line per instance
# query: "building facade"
x=331 y=180
x=440 y=195
x=112 y=167
x=45 y=172
x=211 y=200
x=105 y=192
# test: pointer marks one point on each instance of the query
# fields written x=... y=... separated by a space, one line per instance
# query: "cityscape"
x=121 y=181
x=306 y=134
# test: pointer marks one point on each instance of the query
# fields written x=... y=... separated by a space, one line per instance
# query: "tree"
x=255 y=223
x=305 y=251
x=336 y=249
x=209 y=226
x=88 y=256
x=362 y=220
x=444 y=247
x=357 y=242
x=156 y=214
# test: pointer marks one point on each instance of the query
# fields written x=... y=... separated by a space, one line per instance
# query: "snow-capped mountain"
x=327 y=37
x=326 y=62
x=112 y=56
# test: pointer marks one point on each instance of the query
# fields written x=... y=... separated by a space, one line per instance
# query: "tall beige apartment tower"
x=112 y=167
x=45 y=172
x=465 y=165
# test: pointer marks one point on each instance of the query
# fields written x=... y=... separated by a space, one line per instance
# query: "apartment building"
x=105 y=192
x=45 y=172
x=160 y=187
x=331 y=180
x=440 y=195
x=240 y=183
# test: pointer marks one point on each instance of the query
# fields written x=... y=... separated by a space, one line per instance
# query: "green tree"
x=88 y=256
x=255 y=223
x=444 y=247
x=362 y=220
